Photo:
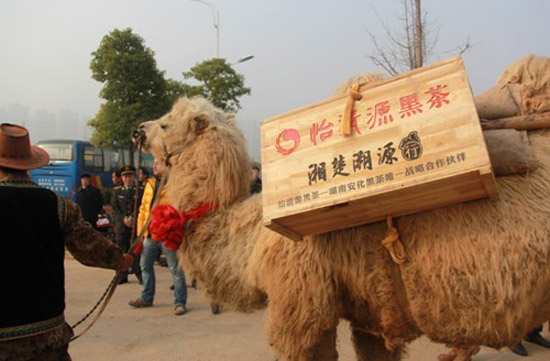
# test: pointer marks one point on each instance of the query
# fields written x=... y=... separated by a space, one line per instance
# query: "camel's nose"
x=139 y=134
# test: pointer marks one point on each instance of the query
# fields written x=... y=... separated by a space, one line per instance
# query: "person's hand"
x=126 y=263
x=128 y=222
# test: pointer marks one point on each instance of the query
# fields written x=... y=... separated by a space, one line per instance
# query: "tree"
x=134 y=89
x=412 y=46
x=176 y=89
x=221 y=84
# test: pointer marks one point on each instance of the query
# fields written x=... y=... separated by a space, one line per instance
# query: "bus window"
x=93 y=159
x=107 y=160
x=59 y=152
x=116 y=160
x=112 y=160
x=126 y=157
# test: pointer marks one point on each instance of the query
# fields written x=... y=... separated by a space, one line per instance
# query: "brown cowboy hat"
x=16 y=151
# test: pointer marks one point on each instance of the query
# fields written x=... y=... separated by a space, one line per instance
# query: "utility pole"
x=216 y=17
x=418 y=35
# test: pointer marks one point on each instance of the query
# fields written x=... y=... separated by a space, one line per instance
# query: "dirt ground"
x=124 y=333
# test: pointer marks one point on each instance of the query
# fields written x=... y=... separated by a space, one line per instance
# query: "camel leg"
x=297 y=341
x=371 y=348
x=323 y=348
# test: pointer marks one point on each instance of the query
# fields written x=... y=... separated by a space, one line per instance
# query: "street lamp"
x=216 y=16
x=242 y=60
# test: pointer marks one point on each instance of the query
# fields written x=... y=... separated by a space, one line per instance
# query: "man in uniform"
x=123 y=202
x=37 y=227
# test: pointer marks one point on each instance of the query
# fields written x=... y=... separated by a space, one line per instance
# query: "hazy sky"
x=303 y=49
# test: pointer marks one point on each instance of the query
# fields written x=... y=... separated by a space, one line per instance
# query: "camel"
x=476 y=273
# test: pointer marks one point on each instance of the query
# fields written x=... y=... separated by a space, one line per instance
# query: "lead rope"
x=107 y=295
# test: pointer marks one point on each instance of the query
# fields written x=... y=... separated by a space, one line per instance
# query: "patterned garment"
x=89 y=248
x=51 y=345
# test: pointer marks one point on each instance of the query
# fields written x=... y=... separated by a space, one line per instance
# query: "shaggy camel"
x=476 y=273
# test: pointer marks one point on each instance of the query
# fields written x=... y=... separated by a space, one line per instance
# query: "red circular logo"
x=287 y=135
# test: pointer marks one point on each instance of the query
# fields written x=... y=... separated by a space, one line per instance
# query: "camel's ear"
x=200 y=123
x=230 y=117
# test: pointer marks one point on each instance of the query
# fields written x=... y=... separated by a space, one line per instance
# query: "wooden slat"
x=416 y=199
x=488 y=179
x=277 y=227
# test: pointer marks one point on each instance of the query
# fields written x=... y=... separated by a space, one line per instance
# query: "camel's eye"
x=163 y=126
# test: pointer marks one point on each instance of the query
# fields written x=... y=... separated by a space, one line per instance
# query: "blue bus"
x=69 y=159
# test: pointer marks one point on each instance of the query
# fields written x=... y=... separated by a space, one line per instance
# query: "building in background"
x=44 y=124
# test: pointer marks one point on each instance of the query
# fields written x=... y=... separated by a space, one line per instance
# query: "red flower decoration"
x=167 y=223
x=167 y=226
x=196 y=213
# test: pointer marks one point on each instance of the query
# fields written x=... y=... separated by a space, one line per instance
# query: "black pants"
x=123 y=242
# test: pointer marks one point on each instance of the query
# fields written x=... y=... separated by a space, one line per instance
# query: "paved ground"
x=155 y=334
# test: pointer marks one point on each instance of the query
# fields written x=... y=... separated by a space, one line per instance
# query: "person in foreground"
x=152 y=249
x=38 y=225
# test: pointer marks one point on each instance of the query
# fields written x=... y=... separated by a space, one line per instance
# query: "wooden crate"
x=416 y=144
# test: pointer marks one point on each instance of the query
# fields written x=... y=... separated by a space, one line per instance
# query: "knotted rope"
x=345 y=127
x=393 y=244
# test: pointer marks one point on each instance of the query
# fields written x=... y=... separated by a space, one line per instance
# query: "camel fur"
x=476 y=273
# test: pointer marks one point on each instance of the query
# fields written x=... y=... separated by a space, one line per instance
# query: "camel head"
x=206 y=151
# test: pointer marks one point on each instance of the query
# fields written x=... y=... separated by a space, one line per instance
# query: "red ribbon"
x=167 y=223
x=138 y=249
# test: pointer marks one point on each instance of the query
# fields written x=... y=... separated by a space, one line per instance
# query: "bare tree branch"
x=465 y=47
x=410 y=47
x=462 y=49
x=380 y=58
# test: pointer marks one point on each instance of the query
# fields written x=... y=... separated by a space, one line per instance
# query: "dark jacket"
x=32 y=235
x=123 y=203
x=90 y=202
x=37 y=226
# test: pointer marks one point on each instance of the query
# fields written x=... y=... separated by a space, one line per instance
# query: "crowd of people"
x=41 y=225
x=135 y=190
